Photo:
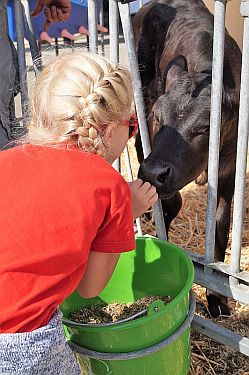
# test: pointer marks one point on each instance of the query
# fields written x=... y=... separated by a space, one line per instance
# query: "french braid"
x=78 y=99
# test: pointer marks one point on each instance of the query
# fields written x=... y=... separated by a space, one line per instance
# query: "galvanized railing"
x=227 y=280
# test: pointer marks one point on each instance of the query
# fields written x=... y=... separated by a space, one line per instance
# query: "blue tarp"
x=78 y=17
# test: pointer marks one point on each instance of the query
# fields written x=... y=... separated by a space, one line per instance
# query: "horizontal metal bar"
x=219 y=266
x=219 y=282
x=221 y=334
x=224 y=268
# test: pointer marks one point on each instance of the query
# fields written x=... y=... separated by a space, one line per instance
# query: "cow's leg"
x=171 y=207
x=217 y=304
x=202 y=179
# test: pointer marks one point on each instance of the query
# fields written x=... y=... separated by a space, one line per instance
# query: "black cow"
x=174 y=47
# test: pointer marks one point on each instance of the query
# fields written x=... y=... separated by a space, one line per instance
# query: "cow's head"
x=180 y=119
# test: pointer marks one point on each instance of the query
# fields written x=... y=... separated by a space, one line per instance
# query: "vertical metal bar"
x=114 y=30
x=87 y=43
x=138 y=96
x=130 y=177
x=92 y=26
x=242 y=147
x=215 y=119
x=35 y=53
x=140 y=3
x=114 y=46
x=101 y=22
x=56 y=46
x=21 y=59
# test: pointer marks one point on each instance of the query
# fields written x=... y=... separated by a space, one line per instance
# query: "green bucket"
x=155 y=344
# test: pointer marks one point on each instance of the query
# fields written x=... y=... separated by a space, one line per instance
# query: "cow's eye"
x=204 y=130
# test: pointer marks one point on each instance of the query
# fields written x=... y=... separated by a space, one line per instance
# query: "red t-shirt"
x=56 y=205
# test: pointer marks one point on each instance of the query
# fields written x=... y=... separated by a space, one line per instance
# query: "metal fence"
x=227 y=280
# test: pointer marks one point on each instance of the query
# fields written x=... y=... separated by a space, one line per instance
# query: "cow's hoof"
x=202 y=179
x=217 y=305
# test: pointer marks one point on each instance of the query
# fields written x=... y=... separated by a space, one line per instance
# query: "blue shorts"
x=43 y=351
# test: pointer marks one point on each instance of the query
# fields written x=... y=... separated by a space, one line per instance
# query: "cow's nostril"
x=162 y=177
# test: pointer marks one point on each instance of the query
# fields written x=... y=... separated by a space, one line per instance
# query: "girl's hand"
x=143 y=196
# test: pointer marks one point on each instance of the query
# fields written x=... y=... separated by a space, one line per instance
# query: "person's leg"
x=8 y=87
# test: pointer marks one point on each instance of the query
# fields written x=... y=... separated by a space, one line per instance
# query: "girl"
x=66 y=214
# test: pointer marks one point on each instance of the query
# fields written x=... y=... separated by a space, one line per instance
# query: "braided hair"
x=78 y=98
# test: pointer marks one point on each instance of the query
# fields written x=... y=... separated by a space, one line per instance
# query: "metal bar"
x=56 y=46
x=242 y=147
x=130 y=177
x=140 y=3
x=139 y=102
x=101 y=22
x=21 y=59
x=221 y=334
x=114 y=30
x=219 y=282
x=114 y=47
x=219 y=266
x=215 y=119
x=35 y=53
x=92 y=26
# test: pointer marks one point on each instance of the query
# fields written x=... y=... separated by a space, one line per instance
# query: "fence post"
x=18 y=10
x=138 y=96
x=114 y=30
x=35 y=53
x=92 y=26
x=215 y=119
x=114 y=47
x=242 y=147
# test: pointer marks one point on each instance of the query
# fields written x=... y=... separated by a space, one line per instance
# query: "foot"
x=66 y=34
x=83 y=30
x=44 y=37
x=102 y=29
x=217 y=304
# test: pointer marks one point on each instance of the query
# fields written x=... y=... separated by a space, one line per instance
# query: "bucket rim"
x=169 y=307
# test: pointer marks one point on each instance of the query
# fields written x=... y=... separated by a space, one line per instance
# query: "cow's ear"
x=173 y=71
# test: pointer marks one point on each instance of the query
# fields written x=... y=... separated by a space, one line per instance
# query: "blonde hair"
x=78 y=98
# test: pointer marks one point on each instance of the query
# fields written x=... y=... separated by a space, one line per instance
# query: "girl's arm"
x=99 y=269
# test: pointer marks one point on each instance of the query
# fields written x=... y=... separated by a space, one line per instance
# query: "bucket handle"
x=143 y=352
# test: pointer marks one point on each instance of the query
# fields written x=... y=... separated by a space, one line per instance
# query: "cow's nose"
x=161 y=177
x=156 y=172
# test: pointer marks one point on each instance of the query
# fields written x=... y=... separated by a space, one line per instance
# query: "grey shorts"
x=43 y=351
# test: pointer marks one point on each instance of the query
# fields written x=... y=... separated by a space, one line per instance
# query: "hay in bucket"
x=113 y=312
